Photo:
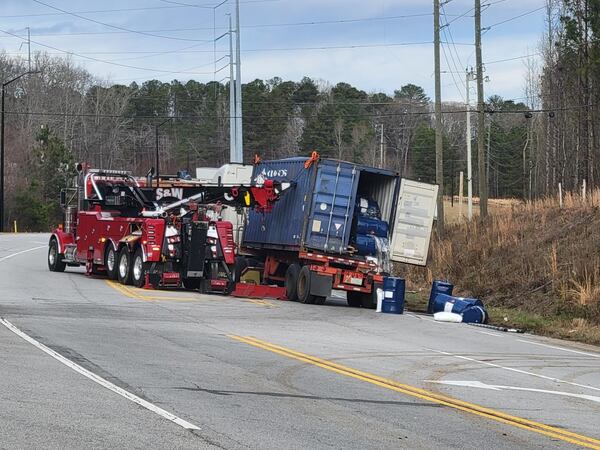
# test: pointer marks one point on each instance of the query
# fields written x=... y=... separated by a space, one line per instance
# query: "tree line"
x=566 y=138
x=65 y=114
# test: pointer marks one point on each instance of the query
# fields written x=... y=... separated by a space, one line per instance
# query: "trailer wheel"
x=369 y=301
x=354 y=299
x=138 y=269
x=110 y=262
x=320 y=300
x=358 y=299
x=303 y=289
x=291 y=281
x=124 y=266
x=55 y=259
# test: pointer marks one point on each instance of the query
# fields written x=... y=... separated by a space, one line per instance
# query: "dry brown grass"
x=532 y=257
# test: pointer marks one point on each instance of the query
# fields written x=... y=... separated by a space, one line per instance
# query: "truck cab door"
x=413 y=222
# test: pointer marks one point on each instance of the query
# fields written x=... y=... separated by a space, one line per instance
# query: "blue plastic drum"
x=366 y=245
x=457 y=305
x=393 y=295
x=474 y=314
x=438 y=287
x=369 y=225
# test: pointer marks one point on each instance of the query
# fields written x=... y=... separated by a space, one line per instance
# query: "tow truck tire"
x=110 y=262
x=138 y=269
x=239 y=266
x=55 y=259
x=124 y=266
x=303 y=288
x=191 y=284
x=291 y=281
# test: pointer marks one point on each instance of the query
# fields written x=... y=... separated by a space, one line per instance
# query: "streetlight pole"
x=2 y=204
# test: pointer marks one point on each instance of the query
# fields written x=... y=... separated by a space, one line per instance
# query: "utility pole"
x=439 y=145
x=238 y=87
x=232 y=114
x=470 y=77
x=156 y=156
x=483 y=195
x=29 y=47
x=381 y=150
x=156 y=149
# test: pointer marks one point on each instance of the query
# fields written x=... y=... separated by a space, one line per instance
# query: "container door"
x=414 y=222
x=332 y=207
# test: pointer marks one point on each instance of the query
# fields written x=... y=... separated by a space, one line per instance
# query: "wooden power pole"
x=439 y=145
x=483 y=195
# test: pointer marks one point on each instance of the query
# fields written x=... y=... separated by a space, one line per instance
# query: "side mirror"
x=63 y=198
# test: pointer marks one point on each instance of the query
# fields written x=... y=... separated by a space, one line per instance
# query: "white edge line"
x=511 y=369
x=4 y=258
x=98 y=379
x=489 y=334
x=560 y=348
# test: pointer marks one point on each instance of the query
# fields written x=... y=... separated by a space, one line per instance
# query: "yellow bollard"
x=15 y=225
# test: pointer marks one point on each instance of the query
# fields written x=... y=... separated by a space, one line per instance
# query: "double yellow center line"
x=519 y=422
x=134 y=293
x=140 y=294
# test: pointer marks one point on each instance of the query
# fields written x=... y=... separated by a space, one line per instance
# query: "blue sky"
x=176 y=40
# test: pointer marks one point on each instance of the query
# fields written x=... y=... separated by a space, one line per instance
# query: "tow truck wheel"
x=291 y=282
x=240 y=265
x=124 y=266
x=138 y=269
x=55 y=259
x=303 y=288
x=191 y=284
x=110 y=262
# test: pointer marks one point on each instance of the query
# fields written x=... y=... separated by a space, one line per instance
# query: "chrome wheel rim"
x=123 y=267
x=110 y=260
x=52 y=255
x=137 y=268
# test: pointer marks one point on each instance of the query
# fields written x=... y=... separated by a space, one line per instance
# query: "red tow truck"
x=114 y=226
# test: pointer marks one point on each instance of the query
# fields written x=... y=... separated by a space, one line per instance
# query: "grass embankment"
x=536 y=266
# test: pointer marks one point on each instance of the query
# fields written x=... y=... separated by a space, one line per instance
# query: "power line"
x=97 y=11
x=515 y=17
x=448 y=34
x=263 y=25
x=287 y=116
x=512 y=59
x=117 y=27
x=79 y=55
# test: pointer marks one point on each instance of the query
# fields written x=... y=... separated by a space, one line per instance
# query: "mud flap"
x=320 y=285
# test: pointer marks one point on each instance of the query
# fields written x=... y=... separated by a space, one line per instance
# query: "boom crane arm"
x=261 y=197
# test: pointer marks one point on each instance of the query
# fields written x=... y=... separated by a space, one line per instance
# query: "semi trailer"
x=338 y=229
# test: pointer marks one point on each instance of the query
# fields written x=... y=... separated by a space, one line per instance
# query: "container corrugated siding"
x=333 y=202
x=309 y=213
x=283 y=227
x=385 y=191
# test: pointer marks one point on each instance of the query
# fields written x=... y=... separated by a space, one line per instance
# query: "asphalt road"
x=88 y=364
